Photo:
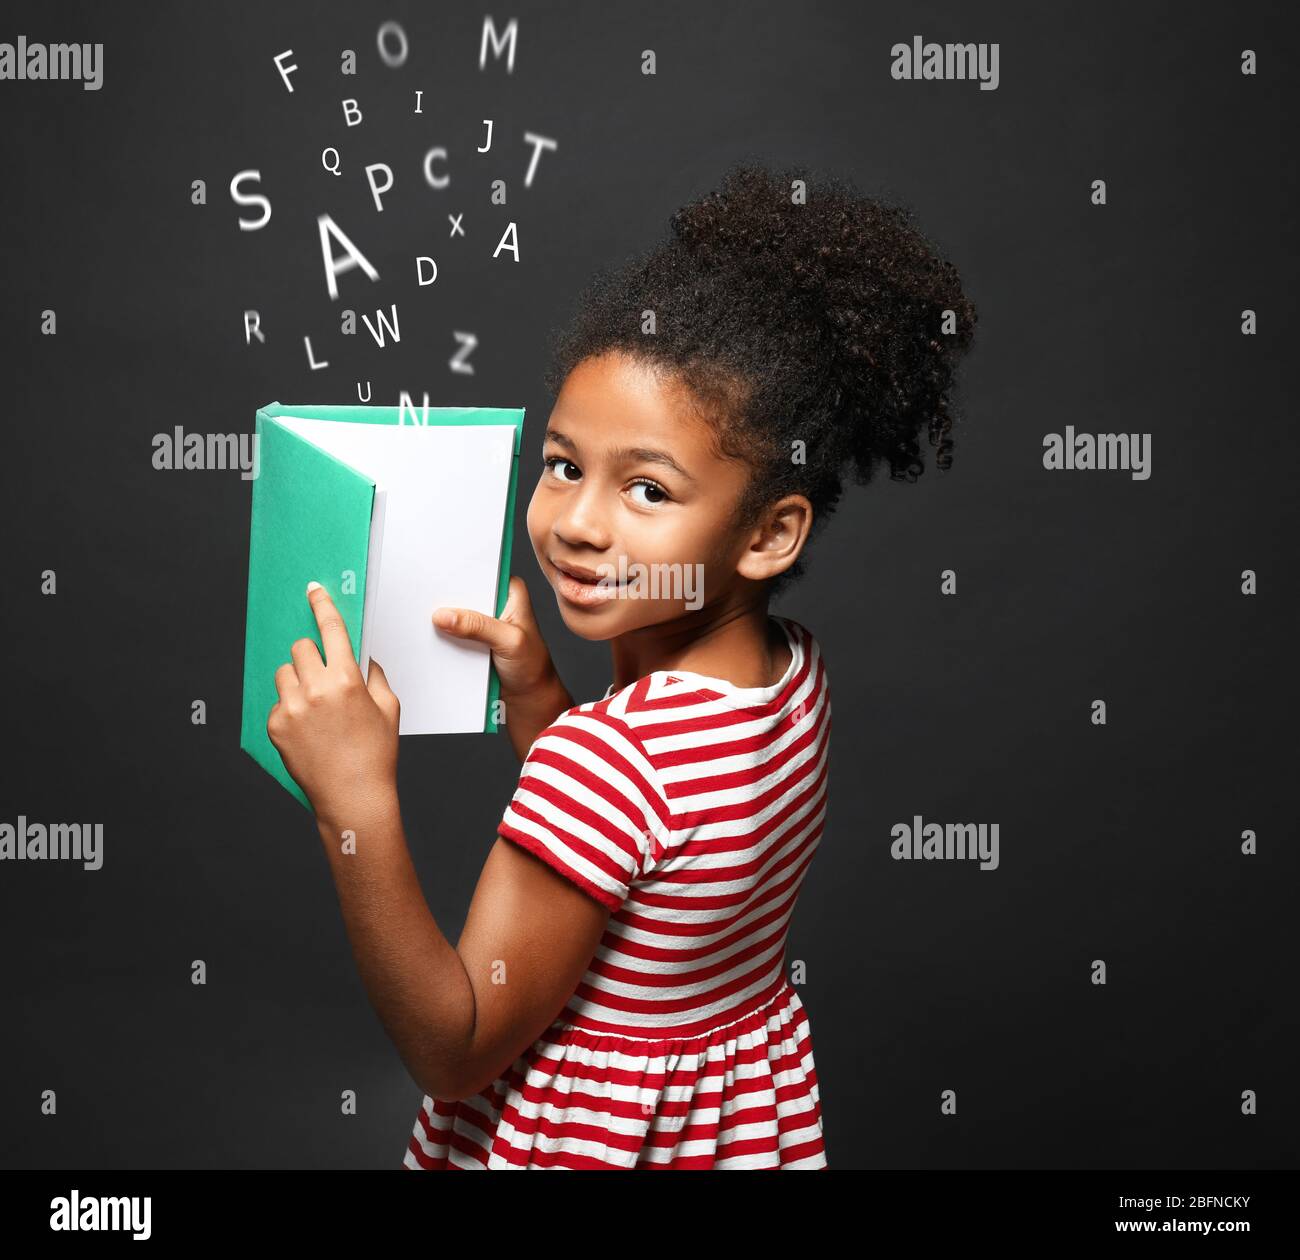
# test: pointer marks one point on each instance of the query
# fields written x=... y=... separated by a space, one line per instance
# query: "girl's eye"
x=651 y=487
x=553 y=460
x=657 y=494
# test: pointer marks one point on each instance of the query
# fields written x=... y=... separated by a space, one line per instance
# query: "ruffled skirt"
x=742 y=1096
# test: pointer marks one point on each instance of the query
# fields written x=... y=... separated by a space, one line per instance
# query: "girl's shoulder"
x=658 y=695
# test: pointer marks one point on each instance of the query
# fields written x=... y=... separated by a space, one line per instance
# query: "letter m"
x=490 y=32
x=65 y=840
x=65 y=61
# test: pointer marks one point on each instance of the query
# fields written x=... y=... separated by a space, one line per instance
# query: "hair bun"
x=796 y=310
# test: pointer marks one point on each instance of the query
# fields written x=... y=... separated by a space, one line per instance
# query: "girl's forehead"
x=603 y=378
x=622 y=435
x=615 y=401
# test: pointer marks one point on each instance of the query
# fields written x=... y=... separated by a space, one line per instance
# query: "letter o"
x=392 y=28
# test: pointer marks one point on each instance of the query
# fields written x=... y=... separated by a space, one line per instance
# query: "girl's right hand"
x=519 y=654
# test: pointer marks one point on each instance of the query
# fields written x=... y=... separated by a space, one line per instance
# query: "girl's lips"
x=586 y=593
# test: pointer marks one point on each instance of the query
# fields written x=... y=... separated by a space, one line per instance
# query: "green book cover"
x=312 y=515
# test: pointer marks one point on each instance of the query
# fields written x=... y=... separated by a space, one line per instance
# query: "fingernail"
x=312 y=586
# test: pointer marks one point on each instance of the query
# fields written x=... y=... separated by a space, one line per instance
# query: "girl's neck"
x=737 y=643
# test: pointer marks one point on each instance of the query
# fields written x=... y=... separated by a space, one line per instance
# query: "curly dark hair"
x=821 y=323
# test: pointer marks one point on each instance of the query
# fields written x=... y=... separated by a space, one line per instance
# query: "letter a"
x=333 y=268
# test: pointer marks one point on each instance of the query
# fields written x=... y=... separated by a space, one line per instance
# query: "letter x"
x=455 y=225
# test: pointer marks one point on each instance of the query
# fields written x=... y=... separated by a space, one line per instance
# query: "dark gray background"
x=1119 y=843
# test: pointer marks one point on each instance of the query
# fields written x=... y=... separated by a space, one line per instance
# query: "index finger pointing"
x=333 y=631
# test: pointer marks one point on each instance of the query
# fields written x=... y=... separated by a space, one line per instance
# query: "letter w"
x=378 y=334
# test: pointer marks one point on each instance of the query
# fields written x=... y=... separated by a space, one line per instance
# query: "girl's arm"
x=527 y=716
x=460 y=1016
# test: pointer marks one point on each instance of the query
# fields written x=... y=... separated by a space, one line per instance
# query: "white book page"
x=444 y=507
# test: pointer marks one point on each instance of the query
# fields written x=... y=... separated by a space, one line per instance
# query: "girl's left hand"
x=335 y=731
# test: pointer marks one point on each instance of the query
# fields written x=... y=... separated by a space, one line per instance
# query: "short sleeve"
x=589 y=804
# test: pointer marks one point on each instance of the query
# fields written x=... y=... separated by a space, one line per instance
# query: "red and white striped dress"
x=692 y=809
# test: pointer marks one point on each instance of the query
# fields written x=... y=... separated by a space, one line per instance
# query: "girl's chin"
x=594 y=623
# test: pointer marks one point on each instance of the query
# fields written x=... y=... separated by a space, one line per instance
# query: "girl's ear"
x=776 y=539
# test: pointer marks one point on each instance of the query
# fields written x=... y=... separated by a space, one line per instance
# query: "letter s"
x=243 y=199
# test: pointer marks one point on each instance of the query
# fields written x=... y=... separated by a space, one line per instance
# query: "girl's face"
x=632 y=492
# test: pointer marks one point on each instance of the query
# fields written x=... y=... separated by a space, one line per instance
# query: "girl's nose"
x=581 y=521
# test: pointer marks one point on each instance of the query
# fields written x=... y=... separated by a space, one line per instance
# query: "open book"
x=395 y=513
